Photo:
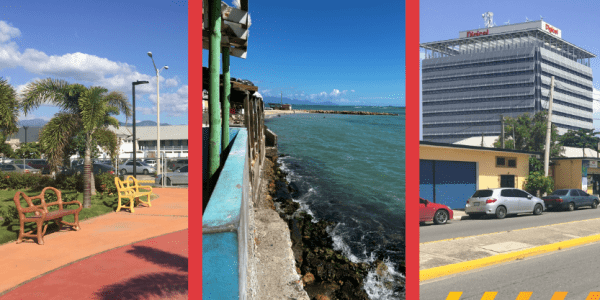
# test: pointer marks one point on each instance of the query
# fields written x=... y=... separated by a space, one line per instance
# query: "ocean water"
x=350 y=170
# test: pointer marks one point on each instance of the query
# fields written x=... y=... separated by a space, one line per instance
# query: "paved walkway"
x=446 y=257
x=93 y=264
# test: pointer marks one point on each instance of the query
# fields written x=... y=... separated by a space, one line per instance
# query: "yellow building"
x=451 y=173
x=576 y=173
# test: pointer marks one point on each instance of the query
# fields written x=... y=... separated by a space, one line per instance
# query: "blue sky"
x=347 y=52
x=100 y=43
x=577 y=19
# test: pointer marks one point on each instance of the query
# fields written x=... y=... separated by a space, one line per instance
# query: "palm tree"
x=9 y=110
x=81 y=109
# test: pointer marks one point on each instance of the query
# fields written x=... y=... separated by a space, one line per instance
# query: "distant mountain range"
x=33 y=122
x=42 y=122
x=268 y=100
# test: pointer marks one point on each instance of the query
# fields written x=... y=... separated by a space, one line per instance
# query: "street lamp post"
x=133 y=84
x=157 y=114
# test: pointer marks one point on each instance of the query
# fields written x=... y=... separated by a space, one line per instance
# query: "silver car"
x=141 y=167
x=19 y=168
x=180 y=176
x=502 y=202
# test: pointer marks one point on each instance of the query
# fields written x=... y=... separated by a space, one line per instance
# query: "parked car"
x=19 y=168
x=97 y=168
x=151 y=162
x=570 y=199
x=178 y=164
x=438 y=213
x=502 y=202
x=40 y=164
x=141 y=167
x=180 y=176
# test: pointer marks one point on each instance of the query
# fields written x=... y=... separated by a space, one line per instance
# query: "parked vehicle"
x=570 y=199
x=151 y=162
x=19 y=168
x=180 y=176
x=40 y=164
x=438 y=213
x=97 y=168
x=178 y=164
x=141 y=167
x=502 y=202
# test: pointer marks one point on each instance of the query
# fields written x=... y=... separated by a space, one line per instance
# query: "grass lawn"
x=101 y=204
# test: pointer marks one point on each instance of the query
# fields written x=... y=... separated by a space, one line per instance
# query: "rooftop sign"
x=514 y=27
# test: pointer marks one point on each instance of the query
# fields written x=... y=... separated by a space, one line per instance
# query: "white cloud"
x=422 y=55
x=78 y=66
x=8 y=32
x=335 y=93
x=172 y=82
x=173 y=104
x=352 y=91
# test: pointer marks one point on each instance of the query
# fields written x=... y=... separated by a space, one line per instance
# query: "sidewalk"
x=93 y=264
x=445 y=257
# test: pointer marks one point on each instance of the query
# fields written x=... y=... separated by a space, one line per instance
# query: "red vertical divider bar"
x=412 y=150
x=195 y=149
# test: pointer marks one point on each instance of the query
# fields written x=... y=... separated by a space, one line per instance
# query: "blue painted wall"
x=220 y=266
x=205 y=138
x=224 y=226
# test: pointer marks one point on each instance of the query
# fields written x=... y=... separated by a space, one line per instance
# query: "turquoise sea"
x=350 y=170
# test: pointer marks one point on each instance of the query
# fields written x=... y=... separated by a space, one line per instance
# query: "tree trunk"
x=87 y=197
x=92 y=182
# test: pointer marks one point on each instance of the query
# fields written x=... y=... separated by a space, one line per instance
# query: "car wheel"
x=145 y=172
x=595 y=204
x=501 y=212
x=168 y=181
x=571 y=206
x=441 y=217
x=538 y=209
x=123 y=172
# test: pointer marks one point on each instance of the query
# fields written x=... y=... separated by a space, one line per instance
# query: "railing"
x=225 y=242
x=225 y=227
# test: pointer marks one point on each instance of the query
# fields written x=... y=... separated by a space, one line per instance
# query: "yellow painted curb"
x=446 y=270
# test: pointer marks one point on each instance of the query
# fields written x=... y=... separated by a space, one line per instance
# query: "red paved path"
x=153 y=269
x=143 y=255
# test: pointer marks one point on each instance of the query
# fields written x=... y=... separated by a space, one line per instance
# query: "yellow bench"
x=131 y=189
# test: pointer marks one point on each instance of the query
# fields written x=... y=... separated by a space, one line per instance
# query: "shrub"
x=538 y=184
x=105 y=183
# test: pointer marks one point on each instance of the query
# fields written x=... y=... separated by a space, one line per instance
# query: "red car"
x=438 y=213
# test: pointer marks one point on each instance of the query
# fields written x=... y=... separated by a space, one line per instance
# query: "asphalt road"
x=470 y=227
x=574 y=270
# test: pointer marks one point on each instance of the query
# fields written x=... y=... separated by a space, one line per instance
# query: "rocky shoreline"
x=325 y=273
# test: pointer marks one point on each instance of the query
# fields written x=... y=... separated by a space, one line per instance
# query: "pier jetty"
x=349 y=112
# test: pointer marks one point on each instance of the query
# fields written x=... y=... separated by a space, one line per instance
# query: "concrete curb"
x=446 y=270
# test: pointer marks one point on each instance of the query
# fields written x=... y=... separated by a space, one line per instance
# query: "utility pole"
x=502 y=138
x=548 y=129
x=482 y=144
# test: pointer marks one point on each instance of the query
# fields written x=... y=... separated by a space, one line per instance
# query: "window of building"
x=506 y=162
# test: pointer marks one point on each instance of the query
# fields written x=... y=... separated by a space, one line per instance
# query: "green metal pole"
x=213 y=89
x=225 y=98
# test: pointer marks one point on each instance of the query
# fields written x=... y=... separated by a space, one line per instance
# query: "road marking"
x=593 y=296
x=464 y=266
x=524 y=295
x=489 y=295
x=454 y=296
x=559 y=296
x=484 y=234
